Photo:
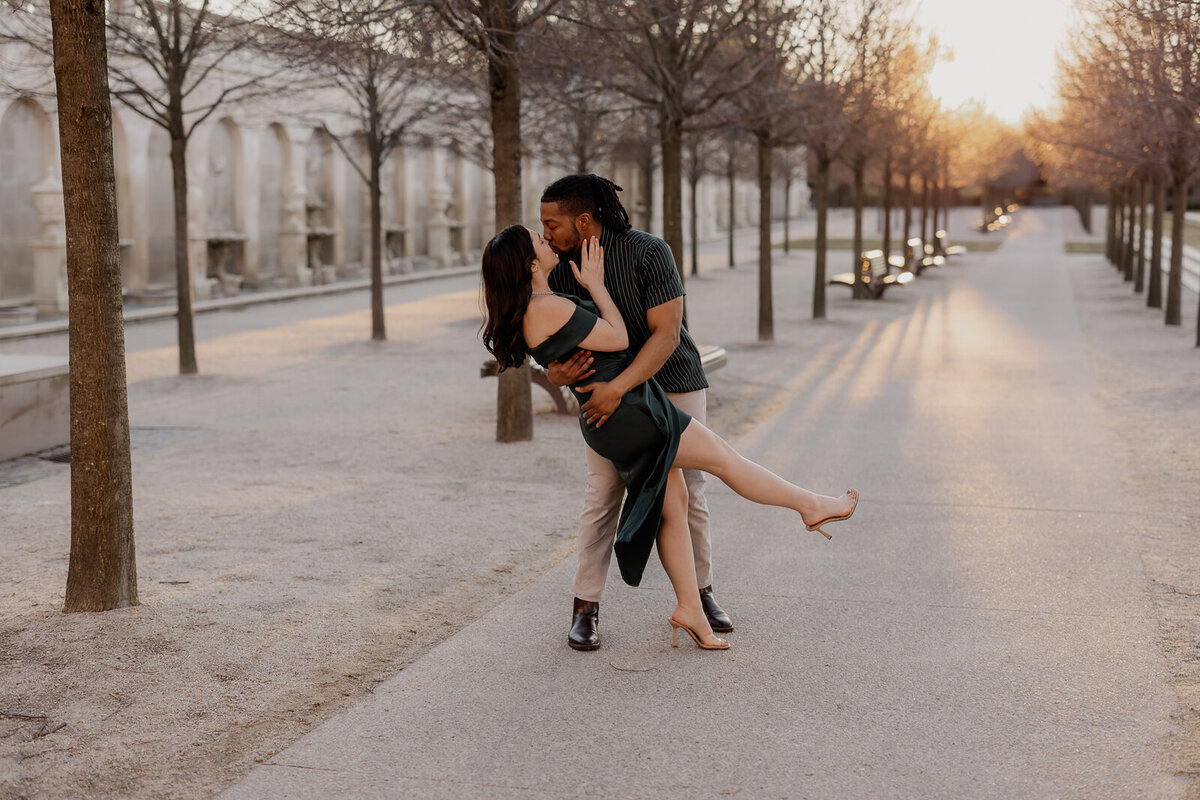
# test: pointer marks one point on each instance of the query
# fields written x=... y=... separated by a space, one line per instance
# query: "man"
x=640 y=274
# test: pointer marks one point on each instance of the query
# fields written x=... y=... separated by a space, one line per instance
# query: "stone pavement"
x=980 y=628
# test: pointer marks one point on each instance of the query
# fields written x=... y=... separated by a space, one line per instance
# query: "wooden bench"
x=940 y=248
x=876 y=275
x=711 y=357
x=919 y=256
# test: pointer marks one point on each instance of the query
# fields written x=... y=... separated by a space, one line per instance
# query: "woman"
x=647 y=438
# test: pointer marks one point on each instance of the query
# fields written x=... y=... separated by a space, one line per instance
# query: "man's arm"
x=665 y=321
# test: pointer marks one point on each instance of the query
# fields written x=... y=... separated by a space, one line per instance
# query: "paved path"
x=979 y=629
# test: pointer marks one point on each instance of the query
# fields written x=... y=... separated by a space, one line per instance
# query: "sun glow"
x=1003 y=52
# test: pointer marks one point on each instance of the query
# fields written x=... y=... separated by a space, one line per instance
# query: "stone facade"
x=273 y=201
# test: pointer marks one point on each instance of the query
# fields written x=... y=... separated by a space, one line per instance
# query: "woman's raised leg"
x=700 y=448
x=675 y=553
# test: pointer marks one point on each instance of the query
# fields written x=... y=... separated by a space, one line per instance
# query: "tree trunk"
x=1110 y=226
x=514 y=403
x=819 y=246
x=648 y=190
x=671 y=141
x=907 y=206
x=732 y=175
x=102 y=570
x=1139 y=265
x=924 y=211
x=183 y=277
x=860 y=290
x=984 y=208
x=1131 y=215
x=1175 y=276
x=787 y=214
x=1154 y=284
x=1119 y=243
x=887 y=212
x=694 y=183
x=766 y=311
x=378 y=329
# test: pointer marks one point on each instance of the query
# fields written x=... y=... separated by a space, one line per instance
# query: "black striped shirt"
x=639 y=273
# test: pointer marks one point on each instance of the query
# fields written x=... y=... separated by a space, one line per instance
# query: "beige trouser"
x=602 y=507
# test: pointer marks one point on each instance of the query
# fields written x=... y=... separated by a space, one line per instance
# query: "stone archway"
x=132 y=277
x=160 y=210
x=25 y=161
x=223 y=226
x=274 y=165
x=224 y=179
x=319 y=205
x=354 y=212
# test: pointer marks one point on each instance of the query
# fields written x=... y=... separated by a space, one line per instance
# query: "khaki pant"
x=602 y=507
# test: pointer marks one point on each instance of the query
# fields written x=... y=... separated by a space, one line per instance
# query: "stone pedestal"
x=439 y=226
x=35 y=406
x=203 y=287
x=50 y=250
x=293 y=239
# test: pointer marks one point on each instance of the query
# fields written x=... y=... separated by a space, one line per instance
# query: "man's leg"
x=597 y=529
x=695 y=405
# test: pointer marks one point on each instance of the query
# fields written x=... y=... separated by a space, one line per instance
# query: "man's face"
x=560 y=229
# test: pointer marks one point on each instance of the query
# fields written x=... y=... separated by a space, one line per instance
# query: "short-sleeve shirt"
x=639 y=273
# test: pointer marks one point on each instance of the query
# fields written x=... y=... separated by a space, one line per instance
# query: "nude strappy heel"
x=676 y=625
x=838 y=518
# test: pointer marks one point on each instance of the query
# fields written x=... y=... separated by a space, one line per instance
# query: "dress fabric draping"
x=640 y=438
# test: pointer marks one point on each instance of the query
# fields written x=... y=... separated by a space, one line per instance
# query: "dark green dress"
x=640 y=438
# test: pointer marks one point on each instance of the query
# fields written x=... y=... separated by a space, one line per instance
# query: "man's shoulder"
x=642 y=240
x=645 y=249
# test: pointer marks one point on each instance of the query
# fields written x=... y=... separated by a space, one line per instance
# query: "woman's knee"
x=675 y=499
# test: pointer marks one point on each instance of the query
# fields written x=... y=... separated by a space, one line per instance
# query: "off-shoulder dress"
x=640 y=438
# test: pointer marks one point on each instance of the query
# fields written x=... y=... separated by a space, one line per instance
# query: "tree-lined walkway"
x=331 y=541
x=982 y=627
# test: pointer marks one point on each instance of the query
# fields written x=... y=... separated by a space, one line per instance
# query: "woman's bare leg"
x=675 y=553
x=700 y=448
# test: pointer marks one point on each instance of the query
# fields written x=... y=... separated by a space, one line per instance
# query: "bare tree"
x=102 y=573
x=164 y=54
x=671 y=57
x=768 y=109
x=822 y=59
x=163 y=60
x=701 y=149
x=877 y=36
x=1131 y=101
x=493 y=30
x=382 y=64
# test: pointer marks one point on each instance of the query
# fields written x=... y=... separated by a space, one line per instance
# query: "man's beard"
x=577 y=246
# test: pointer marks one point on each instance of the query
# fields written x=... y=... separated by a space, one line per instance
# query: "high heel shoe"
x=676 y=625
x=836 y=518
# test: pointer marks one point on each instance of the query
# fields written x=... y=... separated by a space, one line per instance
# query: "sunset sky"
x=1004 y=51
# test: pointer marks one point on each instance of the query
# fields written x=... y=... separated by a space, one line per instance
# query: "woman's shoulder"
x=546 y=315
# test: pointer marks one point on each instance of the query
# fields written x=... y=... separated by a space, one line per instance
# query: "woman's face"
x=546 y=258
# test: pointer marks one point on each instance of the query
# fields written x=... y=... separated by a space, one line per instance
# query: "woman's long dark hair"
x=507 y=280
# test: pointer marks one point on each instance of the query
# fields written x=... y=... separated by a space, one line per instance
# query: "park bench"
x=876 y=275
x=919 y=256
x=711 y=357
x=940 y=248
